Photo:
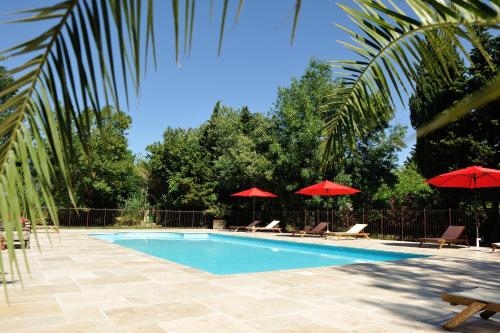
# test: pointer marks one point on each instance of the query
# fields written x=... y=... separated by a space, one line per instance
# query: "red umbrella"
x=472 y=177
x=254 y=192
x=327 y=188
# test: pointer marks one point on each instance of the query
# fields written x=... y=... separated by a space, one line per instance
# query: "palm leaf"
x=89 y=52
x=391 y=44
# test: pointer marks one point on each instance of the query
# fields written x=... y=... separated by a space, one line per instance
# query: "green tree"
x=410 y=189
x=6 y=81
x=241 y=144
x=373 y=162
x=470 y=140
x=104 y=176
x=180 y=174
x=298 y=124
x=297 y=118
x=195 y=168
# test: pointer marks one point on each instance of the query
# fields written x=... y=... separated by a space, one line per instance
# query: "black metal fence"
x=126 y=218
x=401 y=224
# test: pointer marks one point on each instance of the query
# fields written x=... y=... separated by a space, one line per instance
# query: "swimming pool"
x=224 y=254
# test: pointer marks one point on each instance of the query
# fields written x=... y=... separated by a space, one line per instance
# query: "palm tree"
x=94 y=48
x=390 y=42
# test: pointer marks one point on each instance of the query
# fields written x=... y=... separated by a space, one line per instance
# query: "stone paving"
x=81 y=284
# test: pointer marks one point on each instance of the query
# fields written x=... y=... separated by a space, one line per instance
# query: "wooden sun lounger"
x=450 y=236
x=244 y=227
x=494 y=246
x=270 y=227
x=478 y=299
x=26 y=235
x=354 y=231
x=319 y=229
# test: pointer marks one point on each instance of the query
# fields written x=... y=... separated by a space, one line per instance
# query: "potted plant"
x=219 y=211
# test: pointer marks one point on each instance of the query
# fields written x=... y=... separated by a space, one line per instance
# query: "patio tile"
x=311 y=328
x=278 y=322
x=48 y=289
x=81 y=327
x=246 y=308
x=110 y=280
x=155 y=313
x=142 y=329
x=192 y=291
x=31 y=323
x=85 y=312
x=257 y=292
x=29 y=310
x=14 y=299
x=82 y=284
x=398 y=327
x=142 y=298
x=214 y=323
x=343 y=317
x=89 y=297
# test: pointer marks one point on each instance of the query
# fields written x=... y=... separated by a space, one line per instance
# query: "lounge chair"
x=354 y=231
x=450 y=236
x=26 y=233
x=494 y=246
x=270 y=227
x=475 y=300
x=244 y=227
x=320 y=230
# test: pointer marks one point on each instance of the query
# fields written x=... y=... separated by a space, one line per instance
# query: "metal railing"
x=399 y=224
x=127 y=218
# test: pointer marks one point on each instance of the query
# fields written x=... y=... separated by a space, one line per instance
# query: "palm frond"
x=390 y=45
x=90 y=52
x=72 y=70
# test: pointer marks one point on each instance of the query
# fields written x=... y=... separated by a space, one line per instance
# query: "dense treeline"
x=237 y=149
x=103 y=174
x=280 y=151
x=471 y=140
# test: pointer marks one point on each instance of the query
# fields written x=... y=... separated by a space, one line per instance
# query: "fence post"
x=105 y=217
x=449 y=216
x=363 y=216
x=88 y=213
x=402 y=234
x=382 y=223
x=192 y=221
x=179 y=218
x=425 y=225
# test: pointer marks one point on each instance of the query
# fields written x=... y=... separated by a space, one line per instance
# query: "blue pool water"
x=224 y=254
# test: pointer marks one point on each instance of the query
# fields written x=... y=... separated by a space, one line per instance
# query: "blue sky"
x=256 y=59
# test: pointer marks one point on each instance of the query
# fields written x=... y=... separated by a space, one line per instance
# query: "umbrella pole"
x=475 y=215
x=253 y=214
